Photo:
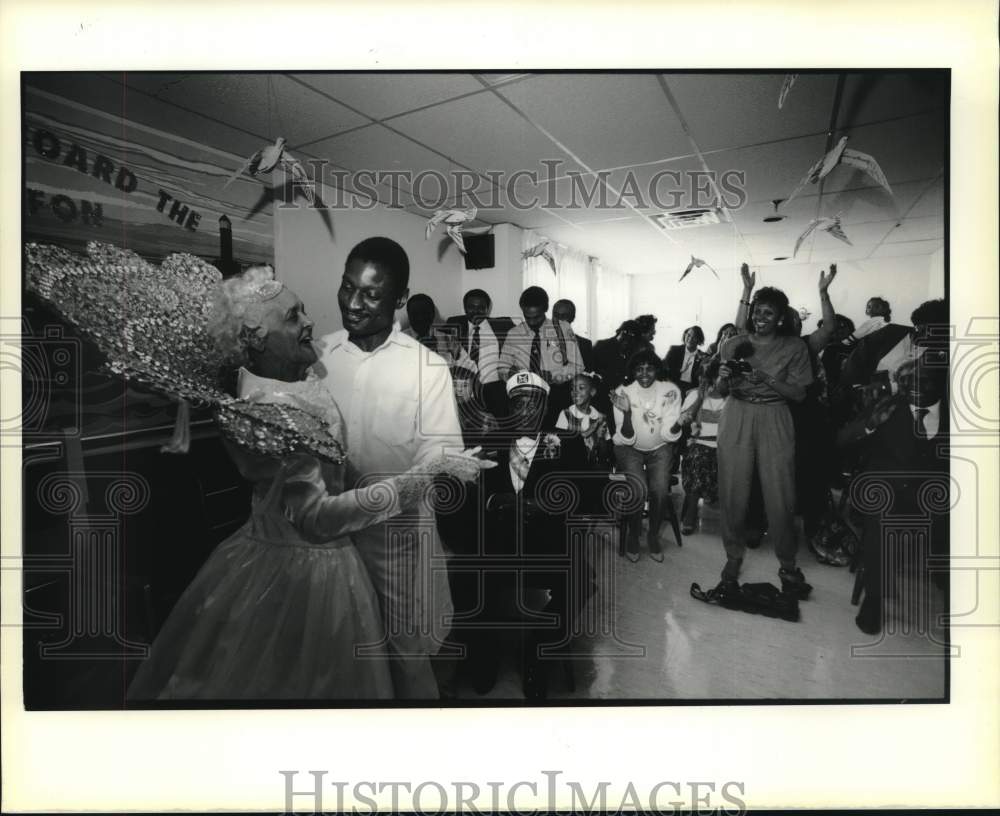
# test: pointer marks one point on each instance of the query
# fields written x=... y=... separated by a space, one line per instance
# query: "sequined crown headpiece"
x=151 y=323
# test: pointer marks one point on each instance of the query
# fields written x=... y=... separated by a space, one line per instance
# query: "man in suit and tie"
x=683 y=363
x=528 y=568
x=903 y=447
x=482 y=337
x=544 y=347
x=565 y=311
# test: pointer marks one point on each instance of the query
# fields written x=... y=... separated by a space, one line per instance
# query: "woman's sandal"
x=656 y=556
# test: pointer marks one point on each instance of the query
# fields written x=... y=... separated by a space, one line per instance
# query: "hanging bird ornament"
x=454 y=222
x=786 y=86
x=270 y=158
x=546 y=250
x=696 y=262
x=830 y=225
x=841 y=154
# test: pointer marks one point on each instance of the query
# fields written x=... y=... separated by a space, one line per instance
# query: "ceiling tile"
x=908 y=248
x=872 y=97
x=271 y=104
x=771 y=171
x=733 y=110
x=927 y=200
x=106 y=93
x=483 y=133
x=906 y=149
x=387 y=94
x=379 y=149
x=608 y=120
x=918 y=229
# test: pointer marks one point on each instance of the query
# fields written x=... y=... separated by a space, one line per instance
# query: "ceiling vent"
x=686 y=219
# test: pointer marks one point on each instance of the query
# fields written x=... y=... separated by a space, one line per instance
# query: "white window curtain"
x=612 y=298
x=572 y=278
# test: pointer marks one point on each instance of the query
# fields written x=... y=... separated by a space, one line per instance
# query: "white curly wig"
x=238 y=310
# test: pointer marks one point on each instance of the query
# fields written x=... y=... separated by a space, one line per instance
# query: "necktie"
x=918 y=422
x=688 y=365
x=520 y=462
x=535 y=360
x=474 y=348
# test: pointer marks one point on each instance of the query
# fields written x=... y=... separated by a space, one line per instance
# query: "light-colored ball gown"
x=284 y=608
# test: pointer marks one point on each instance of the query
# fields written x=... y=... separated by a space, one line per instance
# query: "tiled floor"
x=652 y=641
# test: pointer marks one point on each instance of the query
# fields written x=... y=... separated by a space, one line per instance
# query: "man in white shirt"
x=399 y=411
x=539 y=345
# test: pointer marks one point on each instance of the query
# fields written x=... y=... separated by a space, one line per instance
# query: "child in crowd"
x=645 y=413
x=592 y=426
x=581 y=417
x=700 y=467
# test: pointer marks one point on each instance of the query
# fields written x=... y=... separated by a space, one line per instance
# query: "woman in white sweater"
x=646 y=409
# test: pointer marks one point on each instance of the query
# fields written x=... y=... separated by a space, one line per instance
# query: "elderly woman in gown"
x=284 y=608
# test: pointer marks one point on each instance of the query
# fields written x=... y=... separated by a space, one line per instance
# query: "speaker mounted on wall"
x=479 y=251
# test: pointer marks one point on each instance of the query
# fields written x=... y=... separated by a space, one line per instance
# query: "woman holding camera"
x=761 y=372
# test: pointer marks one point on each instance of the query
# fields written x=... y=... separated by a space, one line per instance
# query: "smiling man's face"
x=368 y=298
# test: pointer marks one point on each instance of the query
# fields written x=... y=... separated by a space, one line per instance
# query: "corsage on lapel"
x=550 y=447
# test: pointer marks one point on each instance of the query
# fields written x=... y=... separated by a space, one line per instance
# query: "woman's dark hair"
x=718 y=335
x=884 y=309
x=629 y=326
x=791 y=325
x=534 y=296
x=773 y=297
x=644 y=356
x=930 y=313
x=697 y=332
x=844 y=323
x=386 y=254
x=647 y=322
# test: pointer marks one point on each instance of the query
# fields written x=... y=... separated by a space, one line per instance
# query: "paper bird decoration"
x=696 y=262
x=269 y=158
x=454 y=221
x=830 y=225
x=546 y=249
x=841 y=154
x=786 y=86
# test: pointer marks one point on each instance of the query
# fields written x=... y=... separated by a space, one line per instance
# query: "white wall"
x=936 y=272
x=503 y=281
x=310 y=260
x=904 y=282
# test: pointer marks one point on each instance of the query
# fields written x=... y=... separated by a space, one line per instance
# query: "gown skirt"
x=271 y=616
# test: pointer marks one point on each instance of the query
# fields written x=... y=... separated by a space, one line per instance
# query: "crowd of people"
x=521 y=427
